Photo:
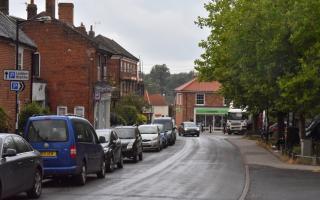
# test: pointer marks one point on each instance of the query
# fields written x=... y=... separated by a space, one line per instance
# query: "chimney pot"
x=51 y=8
x=32 y=9
x=91 y=32
x=4 y=6
x=66 y=12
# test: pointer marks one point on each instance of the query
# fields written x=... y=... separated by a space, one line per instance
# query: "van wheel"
x=102 y=172
x=36 y=189
x=81 y=178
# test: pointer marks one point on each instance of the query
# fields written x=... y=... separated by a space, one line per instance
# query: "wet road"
x=194 y=168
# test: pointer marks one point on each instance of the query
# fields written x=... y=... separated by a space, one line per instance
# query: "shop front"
x=210 y=118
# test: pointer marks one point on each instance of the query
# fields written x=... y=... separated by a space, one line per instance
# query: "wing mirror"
x=102 y=139
x=9 y=153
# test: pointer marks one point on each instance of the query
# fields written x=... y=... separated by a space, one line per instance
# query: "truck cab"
x=236 y=121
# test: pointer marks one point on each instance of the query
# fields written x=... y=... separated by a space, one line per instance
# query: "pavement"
x=256 y=155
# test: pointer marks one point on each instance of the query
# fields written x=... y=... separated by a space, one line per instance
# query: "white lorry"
x=236 y=121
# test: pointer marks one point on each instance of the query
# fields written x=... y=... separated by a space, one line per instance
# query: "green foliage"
x=29 y=110
x=265 y=53
x=4 y=121
x=141 y=119
x=128 y=113
x=116 y=119
x=133 y=100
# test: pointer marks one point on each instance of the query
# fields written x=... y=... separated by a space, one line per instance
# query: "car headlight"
x=198 y=129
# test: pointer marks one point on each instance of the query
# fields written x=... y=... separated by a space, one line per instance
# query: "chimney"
x=66 y=12
x=4 y=6
x=32 y=9
x=51 y=8
x=91 y=32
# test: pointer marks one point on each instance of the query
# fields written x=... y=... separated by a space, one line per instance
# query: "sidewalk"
x=256 y=155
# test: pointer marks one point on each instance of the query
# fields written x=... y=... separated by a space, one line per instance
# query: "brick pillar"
x=32 y=9
x=51 y=8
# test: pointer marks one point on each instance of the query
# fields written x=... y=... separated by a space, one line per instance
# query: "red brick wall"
x=113 y=71
x=186 y=110
x=68 y=64
x=7 y=97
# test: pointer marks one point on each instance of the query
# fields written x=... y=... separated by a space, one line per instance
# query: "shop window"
x=200 y=99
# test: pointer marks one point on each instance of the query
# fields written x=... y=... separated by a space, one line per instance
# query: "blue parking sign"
x=15 y=86
x=12 y=75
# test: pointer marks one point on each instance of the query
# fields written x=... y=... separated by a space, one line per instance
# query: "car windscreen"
x=148 y=129
x=236 y=116
x=190 y=124
x=47 y=131
x=168 y=125
x=105 y=134
x=125 y=133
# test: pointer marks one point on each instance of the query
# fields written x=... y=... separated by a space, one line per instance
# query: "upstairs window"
x=200 y=99
x=179 y=99
x=20 y=58
x=36 y=64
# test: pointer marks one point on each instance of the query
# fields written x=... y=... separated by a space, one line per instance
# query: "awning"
x=212 y=111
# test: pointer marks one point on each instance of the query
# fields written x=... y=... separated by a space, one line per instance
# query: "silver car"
x=150 y=137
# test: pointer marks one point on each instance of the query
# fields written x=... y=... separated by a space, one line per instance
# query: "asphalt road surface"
x=204 y=168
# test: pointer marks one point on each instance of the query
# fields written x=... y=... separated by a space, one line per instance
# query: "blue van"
x=68 y=145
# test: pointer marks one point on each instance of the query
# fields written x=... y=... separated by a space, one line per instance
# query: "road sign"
x=17 y=86
x=16 y=75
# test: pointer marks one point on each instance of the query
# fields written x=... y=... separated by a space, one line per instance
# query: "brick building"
x=200 y=102
x=158 y=104
x=27 y=48
x=124 y=70
x=73 y=65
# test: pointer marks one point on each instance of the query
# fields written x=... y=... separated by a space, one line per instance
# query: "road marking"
x=247 y=184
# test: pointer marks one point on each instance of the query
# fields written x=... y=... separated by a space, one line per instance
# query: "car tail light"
x=73 y=151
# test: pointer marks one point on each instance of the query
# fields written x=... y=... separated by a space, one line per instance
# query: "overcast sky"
x=157 y=31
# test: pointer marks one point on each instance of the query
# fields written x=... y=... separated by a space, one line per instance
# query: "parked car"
x=131 y=142
x=68 y=145
x=21 y=168
x=163 y=135
x=189 y=128
x=150 y=137
x=169 y=126
x=112 y=149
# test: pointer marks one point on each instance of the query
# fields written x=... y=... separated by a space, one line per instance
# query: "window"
x=200 y=99
x=179 y=99
x=62 y=110
x=21 y=145
x=36 y=64
x=47 y=130
x=20 y=58
x=82 y=133
x=122 y=66
x=79 y=111
x=98 y=68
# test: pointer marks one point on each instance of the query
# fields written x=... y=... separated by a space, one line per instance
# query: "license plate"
x=48 y=154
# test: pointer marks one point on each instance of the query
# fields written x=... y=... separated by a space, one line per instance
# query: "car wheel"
x=135 y=158
x=36 y=189
x=141 y=156
x=102 y=172
x=120 y=163
x=198 y=135
x=110 y=166
x=82 y=177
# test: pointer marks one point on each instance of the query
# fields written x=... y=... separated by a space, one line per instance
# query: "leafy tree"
x=128 y=113
x=141 y=119
x=160 y=74
x=4 y=121
x=133 y=100
x=28 y=111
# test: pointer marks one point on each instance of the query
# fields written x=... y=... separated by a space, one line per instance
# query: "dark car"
x=169 y=127
x=112 y=149
x=20 y=167
x=189 y=128
x=68 y=145
x=131 y=142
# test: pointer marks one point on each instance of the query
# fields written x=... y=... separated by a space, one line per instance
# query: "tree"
x=128 y=113
x=4 y=122
x=160 y=74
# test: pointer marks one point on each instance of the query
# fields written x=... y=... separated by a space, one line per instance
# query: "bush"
x=28 y=111
x=141 y=119
x=116 y=119
x=4 y=121
x=128 y=113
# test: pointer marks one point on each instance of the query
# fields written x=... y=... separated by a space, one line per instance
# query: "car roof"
x=163 y=118
x=3 y=135
x=153 y=125
x=119 y=127
x=42 y=117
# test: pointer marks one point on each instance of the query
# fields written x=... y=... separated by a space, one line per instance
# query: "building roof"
x=114 y=47
x=157 y=100
x=195 y=86
x=8 y=31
